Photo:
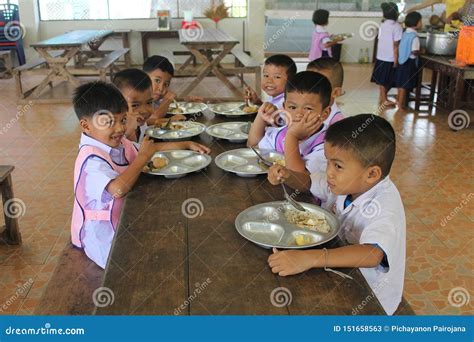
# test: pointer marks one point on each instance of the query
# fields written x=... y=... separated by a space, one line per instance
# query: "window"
x=126 y=9
x=330 y=5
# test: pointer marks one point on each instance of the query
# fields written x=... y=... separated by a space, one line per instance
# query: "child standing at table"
x=321 y=44
x=390 y=34
x=406 y=75
x=307 y=104
x=334 y=72
x=107 y=166
x=277 y=70
x=357 y=189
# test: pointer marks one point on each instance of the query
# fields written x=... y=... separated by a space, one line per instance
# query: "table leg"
x=434 y=77
x=458 y=91
x=418 y=90
x=126 y=44
x=11 y=234
x=144 y=45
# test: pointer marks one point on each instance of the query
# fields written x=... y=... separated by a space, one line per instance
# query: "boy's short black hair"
x=158 y=62
x=328 y=63
x=312 y=83
x=321 y=17
x=412 y=19
x=132 y=78
x=283 y=61
x=93 y=97
x=369 y=136
x=390 y=10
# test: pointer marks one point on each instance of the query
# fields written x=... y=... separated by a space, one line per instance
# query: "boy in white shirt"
x=357 y=189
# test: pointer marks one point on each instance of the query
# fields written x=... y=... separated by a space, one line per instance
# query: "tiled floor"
x=433 y=171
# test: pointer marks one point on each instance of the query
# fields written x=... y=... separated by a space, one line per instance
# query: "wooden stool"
x=7 y=62
x=11 y=232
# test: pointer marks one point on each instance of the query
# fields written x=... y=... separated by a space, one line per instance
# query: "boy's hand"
x=251 y=95
x=305 y=127
x=169 y=96
x=148 y=147
x=266 y=113
x=193 y=146
x=178 y=117
x=277 y=174
x=287 y=263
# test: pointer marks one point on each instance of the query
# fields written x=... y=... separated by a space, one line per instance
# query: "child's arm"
x=332 y=43
x=292 y=262
x=264 y=118
x=300 y=181
x=395 y=53
x=251 y=95
x=121 y=185
x=299 y=130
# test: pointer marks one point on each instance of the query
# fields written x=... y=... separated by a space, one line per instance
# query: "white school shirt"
x=315 y=161
x=277 y=101
x=389 y=32
x=97 y=236
x=322 y=29
x=375 y=217
x=415 y=45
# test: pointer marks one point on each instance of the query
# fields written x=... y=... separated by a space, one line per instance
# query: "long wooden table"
x=164 y=262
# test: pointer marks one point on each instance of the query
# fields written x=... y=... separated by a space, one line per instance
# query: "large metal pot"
x=441 y=43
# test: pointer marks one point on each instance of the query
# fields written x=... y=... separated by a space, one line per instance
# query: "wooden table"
x=147 y=34
x=165 y=263
x=71 y=43
x=447 y=79
x=208 y=46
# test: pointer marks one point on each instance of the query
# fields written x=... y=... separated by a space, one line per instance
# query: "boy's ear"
x=374 y=174
x=336 y=92
x=325 y=113
x=85 y=125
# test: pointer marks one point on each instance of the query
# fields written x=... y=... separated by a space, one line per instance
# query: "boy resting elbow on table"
x=357 y=189
x=106 y=168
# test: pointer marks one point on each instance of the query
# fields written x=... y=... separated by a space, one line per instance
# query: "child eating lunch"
x=307 y=107
x=321 y=43
x=357 y=188
x=107 y=167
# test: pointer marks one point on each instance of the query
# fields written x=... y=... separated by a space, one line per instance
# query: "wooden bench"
x=108 y=63
x=71 y=288
x=12 y=208
x=31 y=66
x=6 y=57
x=244 y=64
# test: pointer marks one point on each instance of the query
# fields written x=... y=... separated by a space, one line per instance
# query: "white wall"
x=39 y=30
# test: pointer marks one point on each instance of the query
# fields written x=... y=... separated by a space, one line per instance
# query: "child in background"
x=406 y=74
x=390 y=34
x=161 y=71
x=357 y=189
x=135 y=86
x=334 y=72
x=307 y=103
x=321 y=44
x=277 y=70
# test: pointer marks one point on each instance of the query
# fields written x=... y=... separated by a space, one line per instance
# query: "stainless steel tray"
x=244 y=162
x=180 y=163
x=232 y=131
x=190 y=129
x=230 y=109
x=266 y=225
x=188 y=107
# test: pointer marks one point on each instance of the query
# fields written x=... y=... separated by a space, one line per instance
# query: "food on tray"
x=159 y=163
x=302 y=240
x=308 y=220
x=250 y=109
x=174 y=126
x=274 y=160
x=177 y=110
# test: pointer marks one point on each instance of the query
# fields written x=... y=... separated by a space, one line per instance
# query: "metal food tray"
x=190 y=129
x=244 y=161
x=180 y=163
x=266 y=225
x=234 y=132
x=189 y=108
x=230 y=109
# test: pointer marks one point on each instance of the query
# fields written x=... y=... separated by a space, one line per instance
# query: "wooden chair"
x=10 y=233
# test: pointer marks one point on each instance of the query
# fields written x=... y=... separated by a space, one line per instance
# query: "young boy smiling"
x=357 y=188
